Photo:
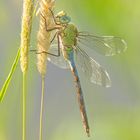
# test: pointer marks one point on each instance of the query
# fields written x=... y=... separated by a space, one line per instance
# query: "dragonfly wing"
x=58 y=61
x=106 y=45
x=92 y=70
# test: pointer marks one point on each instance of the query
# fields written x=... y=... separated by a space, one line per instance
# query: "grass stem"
x=43 y=44
x=24 y=107
x=25 y=43
x=42 y=108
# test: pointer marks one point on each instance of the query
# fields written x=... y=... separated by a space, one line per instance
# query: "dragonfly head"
x=62 y=18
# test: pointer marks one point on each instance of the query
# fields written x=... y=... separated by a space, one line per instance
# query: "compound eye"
x=64 y=19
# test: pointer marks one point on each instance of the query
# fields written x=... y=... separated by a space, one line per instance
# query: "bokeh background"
x=114 y=113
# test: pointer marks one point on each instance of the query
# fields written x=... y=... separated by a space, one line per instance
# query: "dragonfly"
x=67 y=53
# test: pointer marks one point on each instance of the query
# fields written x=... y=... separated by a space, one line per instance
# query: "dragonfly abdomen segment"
x=79 y=93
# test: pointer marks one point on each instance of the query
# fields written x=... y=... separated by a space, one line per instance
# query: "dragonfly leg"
x=56 y=55
x=54 y=37
x=51 y=28
x=58 y=39
x=54 y=19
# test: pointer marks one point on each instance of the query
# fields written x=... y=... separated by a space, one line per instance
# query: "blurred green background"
x=114 y=113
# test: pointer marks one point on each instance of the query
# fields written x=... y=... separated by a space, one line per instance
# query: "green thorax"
x=68 y=35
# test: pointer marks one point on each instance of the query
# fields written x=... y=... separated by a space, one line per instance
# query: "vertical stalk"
x=24 y=108
x=42 y=108
x=25 y=42
x=43 y=45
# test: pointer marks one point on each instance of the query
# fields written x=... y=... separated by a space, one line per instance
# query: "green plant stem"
x=25 y=43
x=41 y=109
x=24 y=107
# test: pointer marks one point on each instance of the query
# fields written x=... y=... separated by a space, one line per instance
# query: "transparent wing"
x=92 y=70
x=106 y=45
x=58 y=61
